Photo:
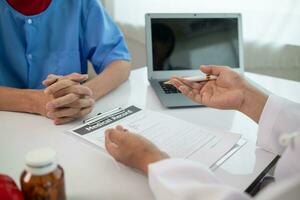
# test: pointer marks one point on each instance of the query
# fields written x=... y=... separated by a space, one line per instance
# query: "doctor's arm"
x=278 y=118
x=177 y=179
x=181 y=179
x=275 y=115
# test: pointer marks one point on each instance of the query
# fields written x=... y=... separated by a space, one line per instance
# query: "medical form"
x=180 y=139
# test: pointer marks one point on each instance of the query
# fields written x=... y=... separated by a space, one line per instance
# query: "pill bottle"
x=43 y=178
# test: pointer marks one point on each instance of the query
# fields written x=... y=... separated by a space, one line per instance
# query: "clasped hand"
x=67 y=98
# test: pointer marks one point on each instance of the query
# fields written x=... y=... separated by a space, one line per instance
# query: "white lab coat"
x=179 y=179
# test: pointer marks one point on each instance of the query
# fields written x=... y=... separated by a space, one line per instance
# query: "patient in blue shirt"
x=43 y=58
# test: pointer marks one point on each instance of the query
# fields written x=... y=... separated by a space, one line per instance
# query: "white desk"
x=91 y=174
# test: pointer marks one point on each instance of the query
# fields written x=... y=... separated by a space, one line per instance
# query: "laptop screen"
x=185 y=44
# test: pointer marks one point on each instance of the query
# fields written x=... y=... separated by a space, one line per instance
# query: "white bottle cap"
x=41 y=161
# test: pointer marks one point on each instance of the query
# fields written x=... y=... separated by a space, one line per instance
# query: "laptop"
x=178 y=44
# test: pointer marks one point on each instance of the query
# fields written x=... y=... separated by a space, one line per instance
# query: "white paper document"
x=178 y=138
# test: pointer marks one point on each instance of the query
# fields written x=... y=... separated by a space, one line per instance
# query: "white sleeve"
x=289 y=165
x=180 y=179
x=280 y=116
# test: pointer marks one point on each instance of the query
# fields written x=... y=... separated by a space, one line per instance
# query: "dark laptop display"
x=185 y=44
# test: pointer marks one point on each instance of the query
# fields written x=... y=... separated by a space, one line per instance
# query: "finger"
x=176 y=82
x=62 y=101
x=206 y=94
x=76 y=89
x=84 y=112
x=63 y=120
x=184 y=90
x=82 y=103
x=190 y=93
x=193 y=84
x=77 y=77
x=211 y=69
x=65 y=112
x=64 y=83
x=51 y=79
x=120 y=128
x=205 y=97
x=198 y=98
x=115 y=136
x=111 y=148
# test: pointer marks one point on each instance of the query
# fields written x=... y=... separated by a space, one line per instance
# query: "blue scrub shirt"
x=58 y=41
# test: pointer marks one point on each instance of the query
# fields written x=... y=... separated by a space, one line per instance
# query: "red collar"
x=29 y=7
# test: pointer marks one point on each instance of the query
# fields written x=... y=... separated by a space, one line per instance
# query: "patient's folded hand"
x=70 y=99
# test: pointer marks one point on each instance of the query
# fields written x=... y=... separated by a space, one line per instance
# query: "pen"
x=197 y=78
x=91 y=118
x=101 y=114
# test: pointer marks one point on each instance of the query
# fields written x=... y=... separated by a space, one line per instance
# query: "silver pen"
x=101 y=115
x=197 y=78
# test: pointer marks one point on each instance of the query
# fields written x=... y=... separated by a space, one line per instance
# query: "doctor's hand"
x=131 y=149
x=229 y=91
x=70 y=99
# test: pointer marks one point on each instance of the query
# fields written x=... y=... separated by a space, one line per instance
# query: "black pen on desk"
x=91 y=118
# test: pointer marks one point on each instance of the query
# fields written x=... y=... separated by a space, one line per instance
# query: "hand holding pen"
x=226 y=92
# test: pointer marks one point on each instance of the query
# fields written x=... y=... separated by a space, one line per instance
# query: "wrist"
x=152 y=158
x=20 y=100
x=253 y=103
x=37 y=102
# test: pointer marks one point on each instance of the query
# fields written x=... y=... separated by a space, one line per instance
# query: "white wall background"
x=271 y=28
x=267 y=21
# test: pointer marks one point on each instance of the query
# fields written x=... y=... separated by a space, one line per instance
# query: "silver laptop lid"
x=177 y=44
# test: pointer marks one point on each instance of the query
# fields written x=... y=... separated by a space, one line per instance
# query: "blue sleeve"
x=104 y=42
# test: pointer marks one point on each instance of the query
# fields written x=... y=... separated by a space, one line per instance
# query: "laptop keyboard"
x=168 y=89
